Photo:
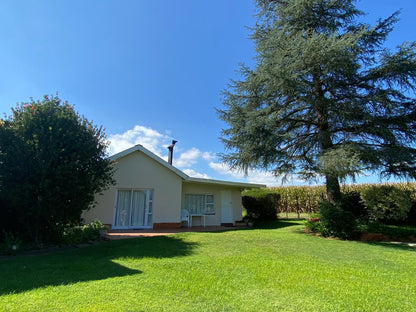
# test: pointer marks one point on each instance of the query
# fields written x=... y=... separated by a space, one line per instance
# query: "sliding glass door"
x=133 y=209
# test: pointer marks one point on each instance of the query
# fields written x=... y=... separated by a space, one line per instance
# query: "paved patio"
x=123 y=234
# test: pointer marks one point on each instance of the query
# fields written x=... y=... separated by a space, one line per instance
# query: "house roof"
x=228 y=183
x=185 y=177
x=140 y=148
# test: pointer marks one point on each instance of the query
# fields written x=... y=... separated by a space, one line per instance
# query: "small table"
x=196 y=215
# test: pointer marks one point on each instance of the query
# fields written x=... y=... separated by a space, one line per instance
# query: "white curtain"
x=138 y=208
x=123 y=209
x=131 y=208
x=195 y=203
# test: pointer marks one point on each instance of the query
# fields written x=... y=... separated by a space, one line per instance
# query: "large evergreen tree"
x=52 y=163
x=325 y=98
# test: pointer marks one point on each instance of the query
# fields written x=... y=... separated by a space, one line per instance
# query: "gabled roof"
x=185 y=177
x=140 y=148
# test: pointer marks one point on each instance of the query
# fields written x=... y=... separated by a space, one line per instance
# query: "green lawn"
x=279 y=268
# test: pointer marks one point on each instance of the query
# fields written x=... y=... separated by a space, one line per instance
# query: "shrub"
x=387 y=203
x=52 y=163
x=351 y=201
x=314 y=223
x=260 y=204
x=333 y=221
x=82 y=233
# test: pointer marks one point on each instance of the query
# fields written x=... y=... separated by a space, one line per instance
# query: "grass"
x=393 y=231
x=268 y=269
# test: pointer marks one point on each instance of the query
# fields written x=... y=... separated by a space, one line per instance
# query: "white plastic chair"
x=185 y=216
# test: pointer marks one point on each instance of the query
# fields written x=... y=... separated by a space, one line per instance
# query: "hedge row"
x=260 y=204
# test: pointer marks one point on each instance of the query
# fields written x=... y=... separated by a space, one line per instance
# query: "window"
x=200 y=203
x=133 y=209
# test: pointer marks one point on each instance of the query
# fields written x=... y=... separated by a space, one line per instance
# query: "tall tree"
x=52 y=162
x=325 y=98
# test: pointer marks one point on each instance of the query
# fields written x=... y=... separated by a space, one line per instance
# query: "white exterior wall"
x=214 y=189
x=138 y=171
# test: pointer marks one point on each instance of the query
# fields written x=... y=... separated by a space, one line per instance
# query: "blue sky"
x=148 y=71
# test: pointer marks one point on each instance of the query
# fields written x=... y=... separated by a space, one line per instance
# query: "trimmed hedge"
x=387 y=203
x=260 y=204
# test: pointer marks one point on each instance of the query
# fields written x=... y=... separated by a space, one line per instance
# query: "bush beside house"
x=52 y=163
x=367 y=210
x=260 y=204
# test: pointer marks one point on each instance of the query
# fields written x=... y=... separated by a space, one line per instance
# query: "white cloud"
x=222 y=168
x=149 y=138
x=187 y=158
x=262 y=177
x=192 y=156
x=194 y=174
x=208 y=156
x=253 y=176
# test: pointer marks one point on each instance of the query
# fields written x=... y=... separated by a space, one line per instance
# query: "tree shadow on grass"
x=278 y=224
x=23 y=273
x=265 y=225
x=407 y=246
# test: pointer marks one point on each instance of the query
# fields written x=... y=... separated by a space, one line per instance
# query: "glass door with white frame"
x=133 y=209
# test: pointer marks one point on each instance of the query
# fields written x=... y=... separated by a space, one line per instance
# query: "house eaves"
x=226 y=183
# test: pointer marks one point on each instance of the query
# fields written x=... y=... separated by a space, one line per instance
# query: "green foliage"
x=325 y=98
x=52 y=163
x=82 y=233
x=387 y=202
x=336 y=222
x=314 y=223
x=363 y=204
x=352 y=202
x=260 y=204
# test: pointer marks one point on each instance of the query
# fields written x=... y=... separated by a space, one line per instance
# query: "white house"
x=151 y=193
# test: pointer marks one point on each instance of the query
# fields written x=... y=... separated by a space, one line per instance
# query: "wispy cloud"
x=253 y=176
x=208 y=156
x=188 y=158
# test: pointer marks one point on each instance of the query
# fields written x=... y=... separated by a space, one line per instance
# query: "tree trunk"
x=333 y=190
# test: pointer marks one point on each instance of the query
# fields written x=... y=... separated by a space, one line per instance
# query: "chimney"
x=170 y=148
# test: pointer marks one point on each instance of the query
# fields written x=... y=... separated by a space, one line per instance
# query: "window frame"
x=148 y=208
